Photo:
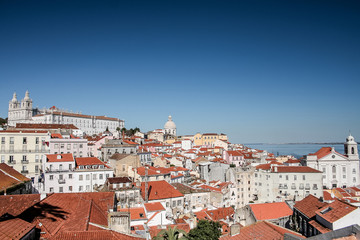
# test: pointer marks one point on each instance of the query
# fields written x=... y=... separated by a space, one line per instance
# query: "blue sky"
x=260 y=71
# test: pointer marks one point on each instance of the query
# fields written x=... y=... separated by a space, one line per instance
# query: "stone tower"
x=20 y=112
x=351 y=148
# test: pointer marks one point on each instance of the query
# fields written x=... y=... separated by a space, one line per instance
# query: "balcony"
x=307 y=188
x=293 y=187
x=25 y=151
x=12 y=162
x=24 y=171
x=61 y=181
x=25 y=161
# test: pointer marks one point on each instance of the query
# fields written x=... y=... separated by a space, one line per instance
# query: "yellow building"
x=208 y=139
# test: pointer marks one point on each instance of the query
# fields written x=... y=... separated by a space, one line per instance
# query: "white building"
x=23 y=112
x=338 y=170
x=62 y=143
x=279 y=183
x=65 y=174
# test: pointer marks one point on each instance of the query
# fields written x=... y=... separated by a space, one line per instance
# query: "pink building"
x=234 y=157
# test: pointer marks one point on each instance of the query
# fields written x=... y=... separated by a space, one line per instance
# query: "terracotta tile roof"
x=136 y=213
x=153 y=207
x=335 y=210
x=327 y=196
x=269 y=211
x=113 y=180
x=159 y=190
x=95 y=235
x=262 y=230
x=16 y=204
x=235 y=153
x=154 y=230
x=324 y=151
x=9 y=177
x=45 y=126
x=65 y=157
x=62 y=212
x=86 y=161
x=56 y=135
x=319 y=227
x=266 y=166
x=84 y=116
x=15 y=228
x=309 y=205
x=301 y=169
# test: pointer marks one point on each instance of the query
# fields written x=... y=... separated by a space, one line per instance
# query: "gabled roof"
x=335 y=210
x=15 y=228
x=324 y=151
x=309 y=205
x=86 y=161
x=300 y=169
x=159 y=190
x=136 y=213
x=262 y=230
x=153 y=207
x=269 y=211
x=16 y=204
x=66 y=212
x=215 y=215
x=65 y=157
x=9 y=177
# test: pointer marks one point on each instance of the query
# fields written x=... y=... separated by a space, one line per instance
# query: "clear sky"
x=260 y=71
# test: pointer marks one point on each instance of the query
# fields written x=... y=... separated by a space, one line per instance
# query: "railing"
x=24 y=171
x=293 y=187
x=61 y=181
x=25 y=161
x=307 y=188
x=25 y=151
x=12 y=162
x=301 y=187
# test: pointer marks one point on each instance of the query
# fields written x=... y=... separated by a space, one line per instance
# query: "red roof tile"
x=160 y=190
x=85 y=161
x=335 y=210
x=45 y=126
x=269 y=211
x=65 y=157
x=9 y=177
x=16 y=204
x=262 y=230
x=95 y=235
x=302 y=169
x=152 y=207
x=136 y=213
x=14 y=229
x=309 y=205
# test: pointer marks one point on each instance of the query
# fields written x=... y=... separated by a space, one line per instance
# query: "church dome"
x=350 y=139
x=170 y=124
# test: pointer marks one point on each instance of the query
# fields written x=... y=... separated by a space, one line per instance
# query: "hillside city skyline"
x=259 y=71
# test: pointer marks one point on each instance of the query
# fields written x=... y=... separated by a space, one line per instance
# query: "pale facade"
x=67 y=176
x=23 y=112
x=77 y=146
x=24 y=150
x=338 y=170
x=208 y=139
x=281 y=183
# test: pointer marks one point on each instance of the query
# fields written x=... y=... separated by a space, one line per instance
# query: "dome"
x=14 y=99
x=350 y=138
x=27 y=98
x=170 y=124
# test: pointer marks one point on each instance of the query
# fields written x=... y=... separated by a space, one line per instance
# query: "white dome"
x=350 y=138
x=170 y=124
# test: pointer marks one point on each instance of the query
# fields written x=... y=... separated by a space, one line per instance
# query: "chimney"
x=234 y=229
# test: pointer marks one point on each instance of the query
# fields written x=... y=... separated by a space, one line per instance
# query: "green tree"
x=205 y=230
x=170 y=234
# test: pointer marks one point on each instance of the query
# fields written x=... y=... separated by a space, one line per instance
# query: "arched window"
x=352 y=150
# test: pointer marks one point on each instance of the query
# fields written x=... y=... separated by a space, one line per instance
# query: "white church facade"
x=338 y=170
x=23 y=112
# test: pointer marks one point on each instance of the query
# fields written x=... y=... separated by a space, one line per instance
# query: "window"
x=303 y=177
x=107 y=175
x=287 y=177
x=81 y=146
x=94 y=176
x=70 y=176
x=2 y=158
x=354 y=171
x=80 y=177
x=11 y=140
x=36 y=158
x=295 y=177
x=2 y=140
x=179 y=202
x=62 y=145
x=37 y=140
x=174 y=203
x=36 y=168
x=51 y=177
x=344 y=169
x=60 y=167
x=51 y=189
x=87 y=176
x=24 y=157
x=68 y=146
x=70 y=188
x=87 y=188
x=100 y=176
x=80 y=188
x=56 y=145
x=24 y=140
x=61 y=189
x=70 y=166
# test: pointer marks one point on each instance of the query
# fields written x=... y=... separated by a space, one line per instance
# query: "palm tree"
x=170 y=234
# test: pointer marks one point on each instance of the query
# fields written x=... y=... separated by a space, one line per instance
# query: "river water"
x=297 y=150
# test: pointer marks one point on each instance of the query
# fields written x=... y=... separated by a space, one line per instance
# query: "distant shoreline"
x=325 y=143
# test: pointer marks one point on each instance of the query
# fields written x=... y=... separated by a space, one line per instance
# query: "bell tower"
x=351 y=148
